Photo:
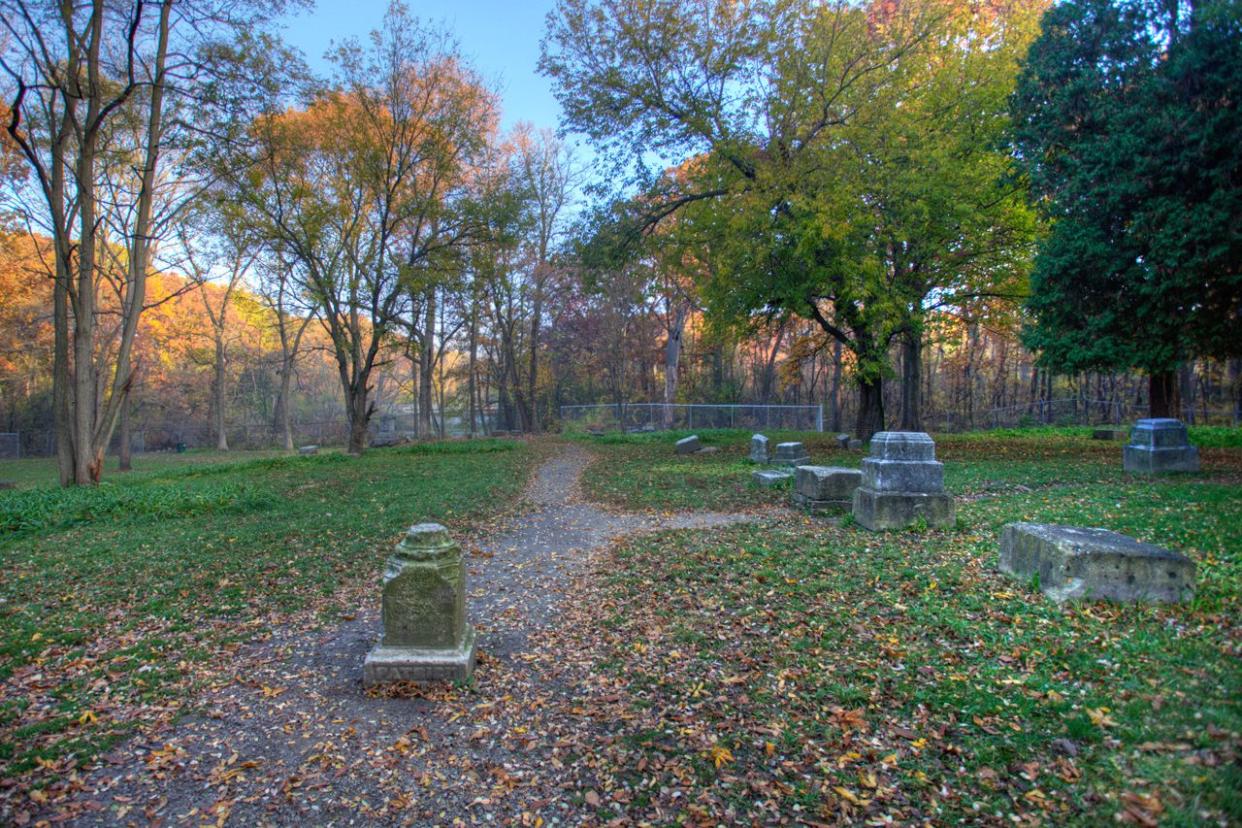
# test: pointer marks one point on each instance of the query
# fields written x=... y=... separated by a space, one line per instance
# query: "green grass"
x=38 y=471
x=121 y=596
x=642 y=471
x=859 y=675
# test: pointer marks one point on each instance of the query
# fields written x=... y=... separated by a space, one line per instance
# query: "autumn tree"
x=359 y=190
x=100 y=97
x=217 y=253
x=758 y=89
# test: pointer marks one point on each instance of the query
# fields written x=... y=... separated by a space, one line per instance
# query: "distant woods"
x=926 y=214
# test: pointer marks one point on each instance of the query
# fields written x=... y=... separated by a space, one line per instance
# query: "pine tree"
x=1127 y=123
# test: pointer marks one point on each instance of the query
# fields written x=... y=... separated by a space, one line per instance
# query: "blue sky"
x=501 y=39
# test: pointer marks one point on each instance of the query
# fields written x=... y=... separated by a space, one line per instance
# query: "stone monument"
x=1073 y=563
x=790 y=454
x=426 y=637
x=308 y=451
x=1108 y=434
x=760 y=450
x=902 y=482
x=769 y=478
x=689 y=445
x=1158 y=446
x=820 y=489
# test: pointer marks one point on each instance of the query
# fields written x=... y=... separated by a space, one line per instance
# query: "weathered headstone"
x=1160 y=445
x=426 y=637
x=791 y=454
x=1073 y=563
x=689 y=445
x=308 y=451
x=902 y=482
x=760 y=450
x=825 y=488
x=843 y=441
x=1108 y=434
x=768 y=478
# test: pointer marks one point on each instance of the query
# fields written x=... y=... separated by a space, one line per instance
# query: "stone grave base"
x=819 y=507
x=896 y=510
x=1147 y=460
x=1074 y=563
x=823 y=489
x=769 y=478
x=389 y=664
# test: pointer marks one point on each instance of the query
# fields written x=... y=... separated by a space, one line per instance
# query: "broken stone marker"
x=308 y=450
x=1158 y=446
x=760 y=451
x=689 y=445
x=1108 y=434
x=790 y=454
x=1073 y=563
x=426 y=637
x=824 y=488
x=902 y=482
x=843 y=441
x=769 y=478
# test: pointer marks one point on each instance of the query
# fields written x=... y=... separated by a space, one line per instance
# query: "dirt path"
x=294 y=739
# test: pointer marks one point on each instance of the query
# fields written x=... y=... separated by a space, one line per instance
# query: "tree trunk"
x=1162 y=394
x=870 y=408
x=532 y=380
x=359 y=417
x=472 y=367
x=124 y=450
x=283 y=419
x=912 y=382
x=61 y=375
x=836 y=385
x=672 y=360
x=426 y=355
x=217 y=394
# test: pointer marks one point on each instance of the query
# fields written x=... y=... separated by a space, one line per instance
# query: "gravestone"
x=769 y=478
x=790 y=454
x=821 y=489
x=1108 y=434
x=689 y=445
x=308 y=451
x=843 y=441
x=760 y=450
x=1158 y=446
x=901 y=483
x=7 y=484
x=1073 y=563
x=426 y=637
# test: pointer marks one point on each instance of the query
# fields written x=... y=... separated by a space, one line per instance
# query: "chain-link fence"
x=664 y=416
x=383 y=429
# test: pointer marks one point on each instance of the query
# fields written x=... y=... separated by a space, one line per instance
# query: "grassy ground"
x=641 y=471
x=115 y=601
x=41 y=471
x=818 y=671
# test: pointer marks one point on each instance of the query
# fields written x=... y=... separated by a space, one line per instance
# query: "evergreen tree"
x=1127 y=123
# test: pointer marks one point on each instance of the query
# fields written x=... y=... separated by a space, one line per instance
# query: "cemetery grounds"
x=782 y=668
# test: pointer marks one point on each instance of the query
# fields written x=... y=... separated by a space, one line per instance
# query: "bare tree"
x=75 y=75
